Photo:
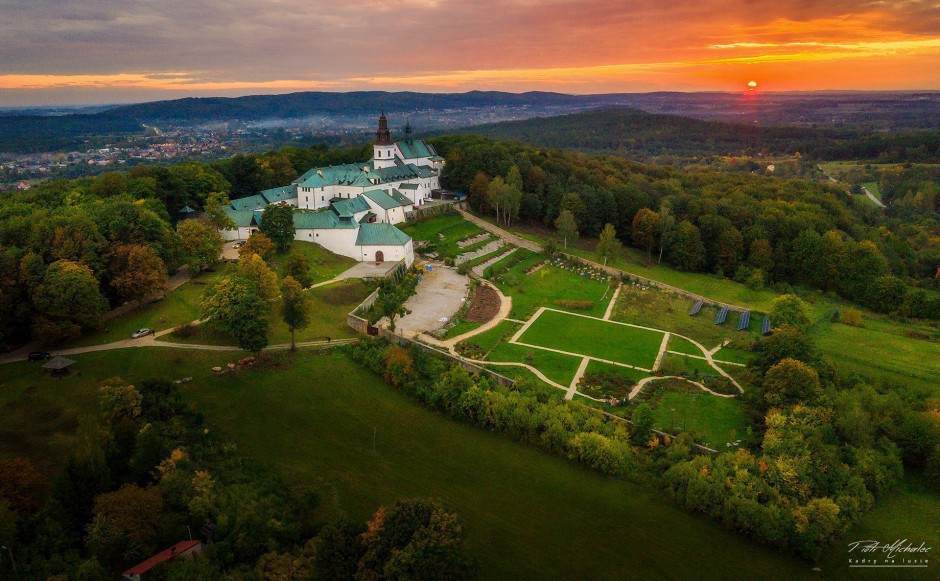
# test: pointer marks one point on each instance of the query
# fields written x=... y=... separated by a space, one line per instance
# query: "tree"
x=761 y=255
x=642 y=424
x=687 y=251
x=125 y=523
x=295 y=307
x=21 y=484
x=138 y=272
x=258 y=244
x=256 y=271
x=786 y=342
x=119 y=399
x=297 y=265
x=235 y=306
x=791 y=382
x=885 y=294
x=730 y=250
x=201 y=242
x=790 y=310
x=67 y=301
x=567 y=227
x=494 y=194
x=215 y=213
x=478 y=191
x=338 y=551
x=646 y=224
x=277 y=223
x=608 y=245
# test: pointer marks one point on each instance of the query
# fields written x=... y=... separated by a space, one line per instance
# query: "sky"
x=118 y=51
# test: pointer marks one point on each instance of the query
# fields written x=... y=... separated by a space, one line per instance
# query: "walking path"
x=478 y=269
x=505 y=305
x=873 y=198
x=613 y=302
x=573 y=388
x=642 y=383
x=662 y=351
x=504 y=234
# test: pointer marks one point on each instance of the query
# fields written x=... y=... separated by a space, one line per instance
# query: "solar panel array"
x=695 y=309
x=722 y=316
x=766 y=328
x=744 y=320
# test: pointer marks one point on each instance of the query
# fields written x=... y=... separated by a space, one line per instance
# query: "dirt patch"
x=485 y=305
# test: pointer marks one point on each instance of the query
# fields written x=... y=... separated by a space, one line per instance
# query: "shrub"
x=575 y=305
x=851 y=317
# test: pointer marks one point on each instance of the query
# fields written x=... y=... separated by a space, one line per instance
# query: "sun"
x=751 y=85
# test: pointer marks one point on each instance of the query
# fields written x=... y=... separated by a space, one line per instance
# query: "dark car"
x=38 y=356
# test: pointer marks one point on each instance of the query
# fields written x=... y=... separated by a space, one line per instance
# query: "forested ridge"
x=777 y=231
x=644 y=136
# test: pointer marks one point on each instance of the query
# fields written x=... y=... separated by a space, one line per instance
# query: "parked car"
x=38 y=356
x=141 y=333
x=238 y=244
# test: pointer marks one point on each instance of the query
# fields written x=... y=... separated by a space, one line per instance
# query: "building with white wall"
x=351 y=209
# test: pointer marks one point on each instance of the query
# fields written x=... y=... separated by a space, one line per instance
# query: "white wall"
x=342 y=241
x=391 y=253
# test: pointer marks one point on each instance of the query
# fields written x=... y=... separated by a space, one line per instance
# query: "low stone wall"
x=358 y=323
x=651 y=282
x=420 y=213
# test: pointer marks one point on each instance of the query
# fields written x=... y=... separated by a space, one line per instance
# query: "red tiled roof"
x=143 y=567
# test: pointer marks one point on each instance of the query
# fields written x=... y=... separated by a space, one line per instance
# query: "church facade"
x=352 y=209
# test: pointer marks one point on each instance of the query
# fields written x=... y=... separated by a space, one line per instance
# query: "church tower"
x=384 y=149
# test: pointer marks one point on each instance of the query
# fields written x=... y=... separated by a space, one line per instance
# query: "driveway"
x=441 y=293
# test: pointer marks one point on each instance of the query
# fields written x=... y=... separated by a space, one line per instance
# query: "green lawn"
x=874 y=188
x=177 y=308
x=680 y=364
x=883 y=351
x=681 y=345
x=442 y=232
x=488 y=339
x=594 y=337
x=329 y=306
x=324 y=265
x=661 y=309
x=615 y=371
x=558 y=367
x=548 y=285
x=714 y=420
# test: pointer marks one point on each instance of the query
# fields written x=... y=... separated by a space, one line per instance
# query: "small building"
x=181 y=550
x=58 y=366
x=187 y=213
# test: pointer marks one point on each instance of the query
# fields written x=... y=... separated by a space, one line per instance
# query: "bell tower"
x=384 y=148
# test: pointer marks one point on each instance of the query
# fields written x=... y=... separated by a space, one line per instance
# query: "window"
x=322 y=198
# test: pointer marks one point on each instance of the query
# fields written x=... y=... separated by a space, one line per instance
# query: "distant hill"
x=639 y=135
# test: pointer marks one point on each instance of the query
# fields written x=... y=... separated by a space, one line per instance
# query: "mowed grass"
x=653 y=307
x=714 y=420
x=178 y=307
x=328 y=307
x=882 y=351
x=595 y=338
x=324 y=264
x=488 y=339
x=443 y=232
x=527 y=515
x=627 y=373
x=558 y=367
x=550 y=284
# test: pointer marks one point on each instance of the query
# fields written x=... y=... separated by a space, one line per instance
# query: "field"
x=546 y=286
x=324 y=265
x=595 y=338
x=442 y=233
x=715 y=420
x=526 y=514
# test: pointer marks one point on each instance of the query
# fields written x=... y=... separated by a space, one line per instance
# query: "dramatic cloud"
x=110 y=50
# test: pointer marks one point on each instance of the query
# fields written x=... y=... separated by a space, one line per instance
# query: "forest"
x=765 y=230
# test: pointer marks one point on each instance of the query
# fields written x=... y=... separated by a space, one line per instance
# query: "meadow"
x=321 y=421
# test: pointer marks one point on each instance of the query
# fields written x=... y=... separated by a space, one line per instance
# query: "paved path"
x=504 y=234
x=642 y=383
x=573 y=388
x=613 y=303
x=662 y=351
x=873 y=198
x=478 y=269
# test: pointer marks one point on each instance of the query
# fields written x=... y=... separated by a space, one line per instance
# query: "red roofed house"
x=184 y=549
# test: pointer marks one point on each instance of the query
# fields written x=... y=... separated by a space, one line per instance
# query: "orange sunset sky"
x=88 y=51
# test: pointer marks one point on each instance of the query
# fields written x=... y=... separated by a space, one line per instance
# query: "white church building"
x=351 y=209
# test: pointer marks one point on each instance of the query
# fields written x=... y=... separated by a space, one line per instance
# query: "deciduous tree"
x=567 y=227
x=297 y=265
x=790 y=310
x=138 y=272
x=687 y=251
x=258 y=244
x=608 y=245
x=295 y=307
x=277 y=223
x=67 y=301
x=646 y=224
x=201 y=242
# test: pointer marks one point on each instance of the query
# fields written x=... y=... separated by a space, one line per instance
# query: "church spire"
x=383 y=136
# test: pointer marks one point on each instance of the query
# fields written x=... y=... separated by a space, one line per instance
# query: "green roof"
x=408 y=187
x=187 y=210
x=350 y=174
x=349 y=206
x=380 y=234
x=280 y=194
x=367 y=217
x=415 y=148
x=400 y=198
x=242 y=218
x=250 y=203
x=382 y=199
x=322 y=220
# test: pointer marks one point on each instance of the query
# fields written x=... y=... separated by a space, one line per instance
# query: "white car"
x=141 y=333
x=238 y=244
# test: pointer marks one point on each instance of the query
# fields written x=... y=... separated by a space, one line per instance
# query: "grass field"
x=443 y=233
x=882 y=351
x=488 y=339
x=661 y=309
x=558 y=367
x=715 y=420
x=595 y=338
x=324 y=265
x=328 y=308
x=548 y=285
x=176 y=308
